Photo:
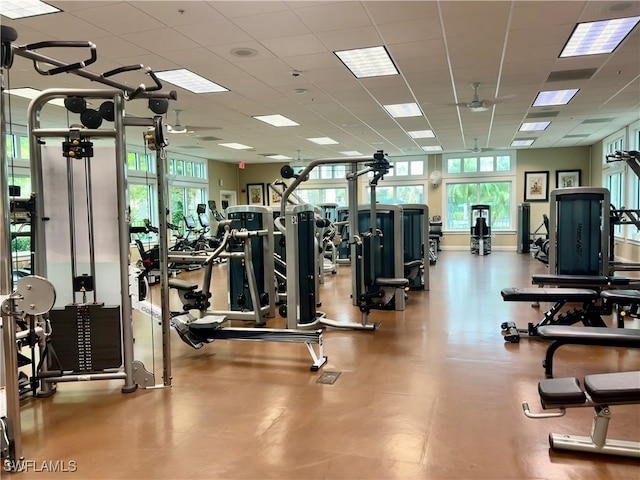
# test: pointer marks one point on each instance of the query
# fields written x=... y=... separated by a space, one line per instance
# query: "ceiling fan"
x=476 y=148
x=476 y=105
x=179 y=128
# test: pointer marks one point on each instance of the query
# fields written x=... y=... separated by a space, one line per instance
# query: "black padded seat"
x=529 y=294
x=413 y=264
x=590 y=280
x=391 y=282
x=561 y=391
x=621 y=297
x=207 y=323
x=182 y=285
x=591 y=335
x=609 y=388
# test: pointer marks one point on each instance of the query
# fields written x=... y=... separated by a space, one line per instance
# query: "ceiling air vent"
x=599 y=120
x=190 y=147
x=543 y=114
x=576 y=135
x=579 y=74
x=209 y=138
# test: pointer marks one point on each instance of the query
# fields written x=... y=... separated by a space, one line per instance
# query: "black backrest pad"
x=561 y=391
x=621 y=387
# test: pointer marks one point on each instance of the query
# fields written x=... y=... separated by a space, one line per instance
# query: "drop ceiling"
x=440 y=48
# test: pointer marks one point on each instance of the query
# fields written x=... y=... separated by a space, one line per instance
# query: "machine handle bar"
x=63 y=44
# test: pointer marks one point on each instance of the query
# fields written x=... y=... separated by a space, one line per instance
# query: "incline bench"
x=595 y=336
x=600 y=392
x=589 y=315
x=584 y=281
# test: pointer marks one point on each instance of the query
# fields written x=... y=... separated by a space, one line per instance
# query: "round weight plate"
x=38 y=294
x=90 y=118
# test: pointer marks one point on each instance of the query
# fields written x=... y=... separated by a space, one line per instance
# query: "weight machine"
x=298 y=226
x=34 y=295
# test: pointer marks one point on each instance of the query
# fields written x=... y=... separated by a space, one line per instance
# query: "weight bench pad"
x=621 y=297
x=413 y=264
x=392 y=282
x=561 y=391
x=602 y=281
x=590 y=335
x=182 y=285
x=548 y=294
x=623 y=387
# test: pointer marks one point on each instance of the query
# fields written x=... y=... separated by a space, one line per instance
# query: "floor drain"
x=328 y=378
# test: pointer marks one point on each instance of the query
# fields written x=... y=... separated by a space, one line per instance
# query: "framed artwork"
x=273 y=195
x=255 y=193
x=536 y=186
x=568 y=178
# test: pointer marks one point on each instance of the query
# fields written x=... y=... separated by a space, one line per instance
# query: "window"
x=613 y=174
x=316 y=196
x=398 y=194
x=487 y=178
x=461 y=196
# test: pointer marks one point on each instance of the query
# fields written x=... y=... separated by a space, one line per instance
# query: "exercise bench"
x=597 y=282
x=589 y=315
x=594 y=336
x=600 y=392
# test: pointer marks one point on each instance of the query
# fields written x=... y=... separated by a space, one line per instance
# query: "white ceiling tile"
x=261 y=26
x=331 y=16
x=234 y=9
x=219 y=32
x=179 y=13
x=119 y=18
x=295 y=45
x=163 y=40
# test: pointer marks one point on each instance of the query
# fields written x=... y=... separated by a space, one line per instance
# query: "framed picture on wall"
x=568 y=178
x=255 y=193
x=536 y=186
x=273 y=195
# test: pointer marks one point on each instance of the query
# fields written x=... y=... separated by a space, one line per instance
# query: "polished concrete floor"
x=434 y=393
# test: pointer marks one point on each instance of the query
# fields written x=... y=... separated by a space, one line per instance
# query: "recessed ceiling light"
x=400 y=110
x=533 y=126
x=279 y=157
x=323 y=141
x=31 y=93
x=421 y=134
x=190 y=81
x=276 y=120
x=351 y=153
x=522 y=143
x=555 y=97
x=368 y=62
x=593 y=38
x=432 y=148
x=235 y=146
x=25 y=8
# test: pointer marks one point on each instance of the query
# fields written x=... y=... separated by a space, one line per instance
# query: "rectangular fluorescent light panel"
x=25 y=8
x=522 y=143
x=188 y=80
x=31 y=93
x=323 y=141
x=235 y=146
x=421 y=134
x=276 y=120
x=279 y=157
x=432 y=148
x=555 y=97
x=351 y=153
x=403 y=110
x=368 y=62
x=593 y=38
x=533 y=126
